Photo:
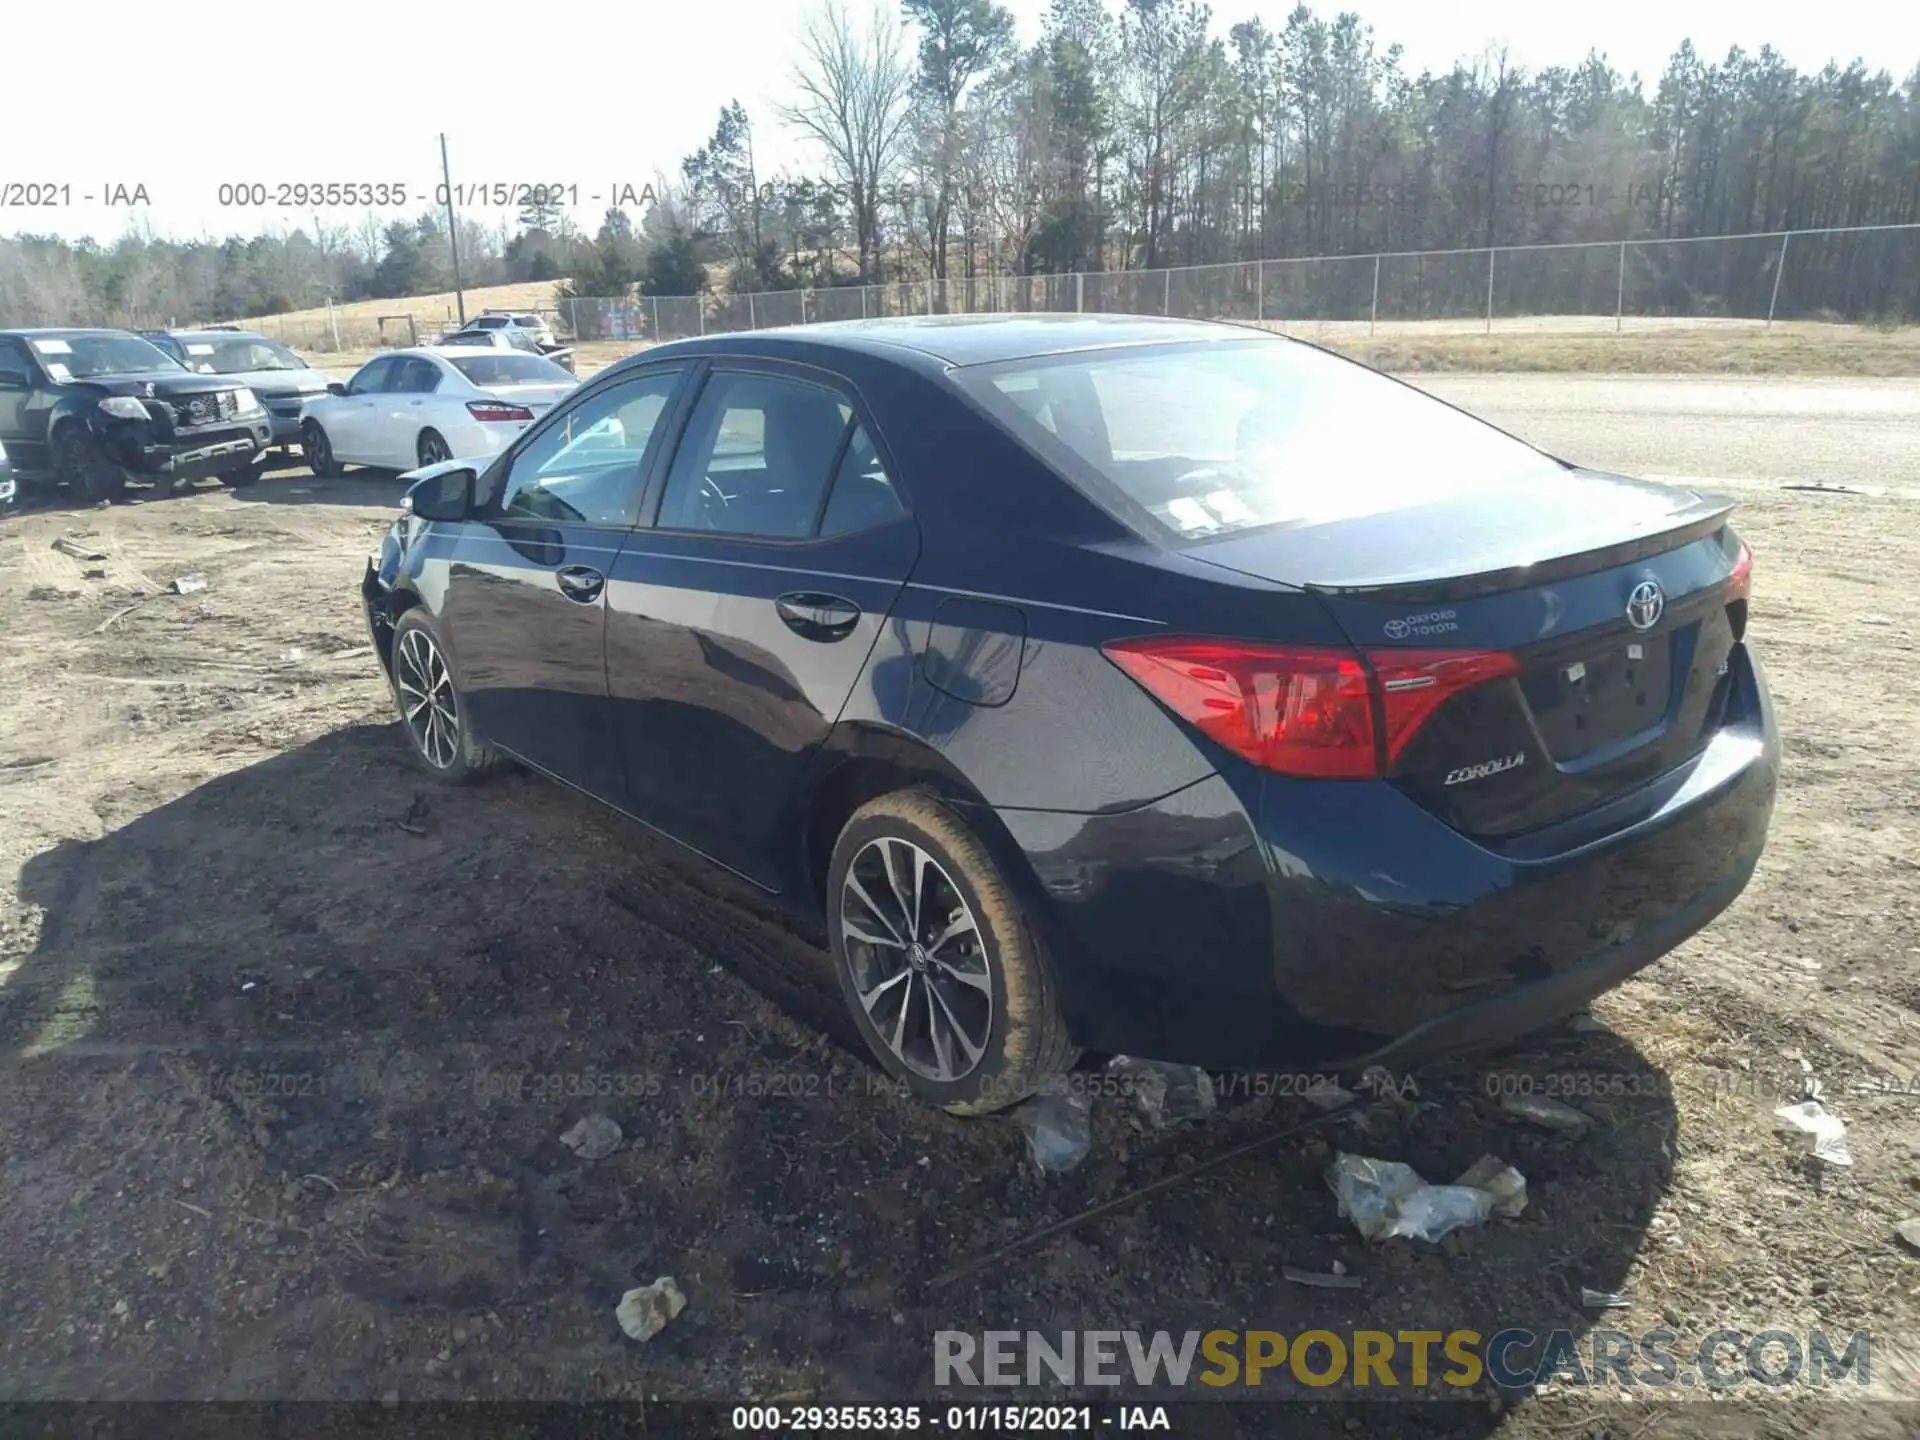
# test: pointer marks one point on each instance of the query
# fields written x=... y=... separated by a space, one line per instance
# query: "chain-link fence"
x=1857 y=274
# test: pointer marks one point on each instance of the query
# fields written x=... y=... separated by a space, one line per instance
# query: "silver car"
x=283 y=381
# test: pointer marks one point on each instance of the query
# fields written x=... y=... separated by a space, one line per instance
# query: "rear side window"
x=759 y=453
x=863 y=495
x=414 y=376
x=1198 y=440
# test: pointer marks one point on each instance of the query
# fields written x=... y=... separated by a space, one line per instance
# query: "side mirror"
x=446 y=496
x=338 y=387
x=13 y=380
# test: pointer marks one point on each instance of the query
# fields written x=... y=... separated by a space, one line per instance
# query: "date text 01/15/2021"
x=960 y=1419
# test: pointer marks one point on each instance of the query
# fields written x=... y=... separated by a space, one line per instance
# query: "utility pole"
x=453 y=233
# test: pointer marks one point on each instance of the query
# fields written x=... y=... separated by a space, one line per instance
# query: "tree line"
x=1135 y=135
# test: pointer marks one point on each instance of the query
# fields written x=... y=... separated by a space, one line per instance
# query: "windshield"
x=233 y=357
x=1204 y=440
x=79 y=357
x=510 y=368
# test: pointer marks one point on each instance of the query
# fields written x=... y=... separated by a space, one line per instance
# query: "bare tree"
x=855 y=93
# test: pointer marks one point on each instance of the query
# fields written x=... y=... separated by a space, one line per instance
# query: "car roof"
x=219 y=335
x=960 y=340
x=67 y=332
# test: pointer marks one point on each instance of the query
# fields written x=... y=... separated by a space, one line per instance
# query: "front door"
x=741 y=620
x=526 y=601
x=22 y=424
x=349 y=419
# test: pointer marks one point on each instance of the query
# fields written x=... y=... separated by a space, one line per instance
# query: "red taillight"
x=1415 y=683
x=1740 y=582
x=1739 y=592
x=497 y=410
x=1316 y=713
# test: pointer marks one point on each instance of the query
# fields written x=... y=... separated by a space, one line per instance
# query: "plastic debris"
x=70 y=545
x=1829 y=1131
x=594 y=1137
x=1324 y=1282
x=1907 y=1232
x=1384 y=1198
x=644 y=1312
x=1167 y=1094
x=187 y=584
x=1603 y=1299
x=1500 y=1180
x=1059 y=1130
x=1545 y=1112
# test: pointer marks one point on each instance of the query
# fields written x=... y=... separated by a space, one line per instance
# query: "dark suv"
x=97 y=408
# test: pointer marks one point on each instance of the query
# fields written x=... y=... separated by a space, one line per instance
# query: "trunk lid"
x=538 y=398
x=1612 y=595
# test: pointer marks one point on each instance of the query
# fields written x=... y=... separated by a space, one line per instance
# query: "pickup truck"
x=97 y=409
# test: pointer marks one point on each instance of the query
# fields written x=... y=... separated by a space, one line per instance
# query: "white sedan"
x=410 y=408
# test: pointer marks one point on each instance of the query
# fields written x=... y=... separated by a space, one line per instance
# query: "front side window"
x=585 y=467
x=758 y=456
x=371 y=376
x=1199 y=440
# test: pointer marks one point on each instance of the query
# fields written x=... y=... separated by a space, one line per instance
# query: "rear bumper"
x=1253 y=921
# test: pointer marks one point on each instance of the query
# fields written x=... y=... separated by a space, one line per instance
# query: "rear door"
x=403 y=412
x=742 y=618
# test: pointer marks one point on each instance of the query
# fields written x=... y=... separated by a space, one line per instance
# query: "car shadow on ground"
x=289 y=1059
x=297 y=485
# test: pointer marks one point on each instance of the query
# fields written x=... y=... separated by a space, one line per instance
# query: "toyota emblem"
x=1646 y=605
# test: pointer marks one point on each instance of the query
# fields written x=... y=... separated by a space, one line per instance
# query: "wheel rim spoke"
x=967 y=1044
x=872 y=997
x=855 y=887
x=893 y=883
x=960 y=924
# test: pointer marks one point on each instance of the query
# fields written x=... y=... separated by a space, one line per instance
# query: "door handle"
x=580 y=582
x=815 y=616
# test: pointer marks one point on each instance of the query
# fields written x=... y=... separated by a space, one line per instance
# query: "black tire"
x=248 y=476
x=431 y=448
x=1022 y=1039
x=448 y=750
x=317 y=450
x=79 y=460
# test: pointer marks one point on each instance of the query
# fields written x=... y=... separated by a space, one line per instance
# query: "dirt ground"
x=289 y=1037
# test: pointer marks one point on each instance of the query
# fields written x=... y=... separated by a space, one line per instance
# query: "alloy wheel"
x=433 y=450
x=427 y=702
x=917 y=960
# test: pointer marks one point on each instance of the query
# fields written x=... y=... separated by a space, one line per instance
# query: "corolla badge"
x=1646 y=604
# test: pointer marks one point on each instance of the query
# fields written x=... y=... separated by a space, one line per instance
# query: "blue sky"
x=601 y=95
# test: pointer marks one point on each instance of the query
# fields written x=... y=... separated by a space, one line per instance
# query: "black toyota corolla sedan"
x=1105 y=683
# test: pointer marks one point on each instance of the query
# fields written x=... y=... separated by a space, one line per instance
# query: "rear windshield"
x=1192 y=441
x=510 y=368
